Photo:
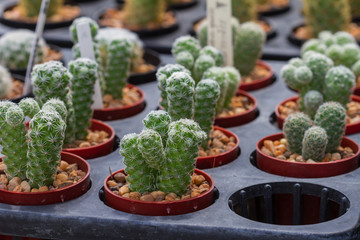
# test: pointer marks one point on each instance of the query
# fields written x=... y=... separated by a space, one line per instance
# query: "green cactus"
x=294 y=129
x=312 y=101
x=58 y=105
x=162 y=75
x=29 y=106
x=248 y=45
x=297 y=77
x=186 y=50
x=339 y=82
x=319 y=15
x=180 y=90
x=221 y=76
x=15 y=48
x=234 y=78
x=52 y=80
x=151 y=147
x=13 y=139
x=331 y=116
x=44 y=147
x=356 y=69
x=215 y=53
x=84 y=72
x=31 y=8
x=158 y=121
x=94 y=27
x=141 y=177
x=185 y=137
x=202 y=64
x=6 y=84
x=207 y=93
x=244 y=10
x=140 y=13
x=314 y=144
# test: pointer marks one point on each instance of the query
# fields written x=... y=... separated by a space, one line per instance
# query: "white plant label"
x=219 y=28
x=87 y=51
x=38 y=34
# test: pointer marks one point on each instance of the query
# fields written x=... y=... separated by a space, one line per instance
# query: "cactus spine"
x=84 y=72
x=314 y=144
x=6 y=84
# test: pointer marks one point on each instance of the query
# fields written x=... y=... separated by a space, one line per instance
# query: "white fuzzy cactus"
x=6 y=84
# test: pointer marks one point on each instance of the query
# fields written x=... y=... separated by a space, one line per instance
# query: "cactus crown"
x=152 y=165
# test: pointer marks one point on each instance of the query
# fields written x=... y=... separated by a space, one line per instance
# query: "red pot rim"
x=281 y=135
x=259 y=83
x=350 y=128
x=242 y=116
x=142 y=99
x=225 y=157
x=56 y=191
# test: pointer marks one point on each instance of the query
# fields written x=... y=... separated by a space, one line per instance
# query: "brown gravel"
x=93 y=138
x=53 y=55
x=130 y=96
x=258 y=73
x=115 y=17
x=278 y=149
x=143 y=68
x=273 y=4
x=66 y=13
x=303 y=33
x=66 y=175
x=219 y=143
x=352 y=112
x=18 y=87
x=239 y=105
x=119 y=185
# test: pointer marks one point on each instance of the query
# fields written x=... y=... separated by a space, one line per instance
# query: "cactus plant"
x=6 y=84
x=84 y=72
x=52 y=80
x=31 y=8
x=140 y=13
x=244 y=10
x=234 y=78
x=331 y=117
x=151 y=147
x=294 y=129
x=58 y=105
x=312 y=101
x=319 y=15
x=30 y=107
x=15 y=48
x=314 y=144
x=94 y=27
x=186 y=50
x=158 y=121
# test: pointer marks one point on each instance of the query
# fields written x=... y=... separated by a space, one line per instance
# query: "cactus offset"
x=158 y=121
x=331 y=116
x=58 y=106
x=314 y=144
x=312 y=101
x=201 y=65
x=29 y=106
x=244 y=10
x=186 y=50
x=151 y=147
x=294 y=129
x=234 y=79
x=6 y=84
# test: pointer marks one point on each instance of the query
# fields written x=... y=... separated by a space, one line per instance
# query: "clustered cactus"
x=34 y=155
x=31 y=8
x=6 y=84
x=248 y=41
x=15 y=48
x=312 y=139
x=317 y=80
x=319 y=15
x=162 y=156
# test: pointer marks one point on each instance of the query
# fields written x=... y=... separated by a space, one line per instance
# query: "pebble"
x=62 y=177
x=111 y=183
x=72 y=167
x=158 y=195
x=335 y=156
x=63 y=165
x=2 y=167
x=147 y=198
x=198 y=179
x=43 y=189
x=120 y=177
x=13 y=183
x=216 y=143
x=299 y=159
x=135 y=195
x=25 y=186
x=123 y=190
x=270 y=146
x=310 y=161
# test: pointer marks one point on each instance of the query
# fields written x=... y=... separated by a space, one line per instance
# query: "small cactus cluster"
x=32 y=155
x=319 y=15
x=31 y=8
x=6 y=84
x=248 y=41
x=188 y=53
x=312 y=139
x=141 y=13
x=15 y=48
x=163 y=155
x=317 y=80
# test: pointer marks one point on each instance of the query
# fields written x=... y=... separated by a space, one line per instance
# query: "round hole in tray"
x=289 y=203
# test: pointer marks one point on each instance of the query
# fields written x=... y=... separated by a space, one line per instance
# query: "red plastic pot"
x=220 y=159
x=242 y=118
x=160 y=208
x=306 y=170
x=350 y=128
x=260 y=83
x=99 y=150
x=55 y=196
x=108 y=114
x=356 y=91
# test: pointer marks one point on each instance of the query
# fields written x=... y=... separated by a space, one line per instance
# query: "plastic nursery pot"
x=108 y=114
x=31 y=25
x=160 y=208
x=262 y=82
x=306 y=170
x=54 y=196
x=357 y=91
x=350 y=128
x=220 y=159
x=150 y=57
x=99 y=150
x=242 y=118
